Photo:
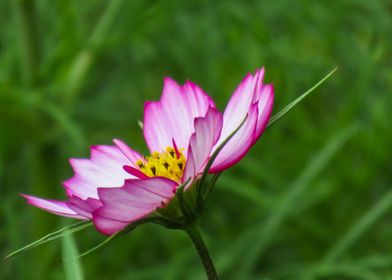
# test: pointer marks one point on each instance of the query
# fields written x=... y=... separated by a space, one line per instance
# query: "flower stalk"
x=194 y=233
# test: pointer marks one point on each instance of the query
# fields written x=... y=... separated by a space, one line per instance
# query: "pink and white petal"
x=130 y=154
x=108 y=226
x=242 y=99
x=53 y=206
x=173 y=116
x=103 y=169
x=238 y=145
x=136 y=199
x=265 y=102
x=207 y=132
x=84 y=207
x=190 y=168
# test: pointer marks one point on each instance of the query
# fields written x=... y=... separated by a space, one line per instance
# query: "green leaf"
x=52 y=236
x=286 y=109
x=71 y=262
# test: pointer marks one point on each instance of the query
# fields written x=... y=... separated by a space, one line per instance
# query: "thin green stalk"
x=52 y=236
x=205 y=258
x=285 y=110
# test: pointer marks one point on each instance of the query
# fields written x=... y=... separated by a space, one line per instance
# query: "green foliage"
x=311 y=200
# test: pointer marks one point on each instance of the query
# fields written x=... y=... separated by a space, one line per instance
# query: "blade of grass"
x=52 y=236
x=286 y=109
x=83 y=61
x=28 y=43
x=356 y=231
x=71 y=262
x=33 y=98
x=107 y=240
x=365 y=264
x=65 y=122
x=336 y=271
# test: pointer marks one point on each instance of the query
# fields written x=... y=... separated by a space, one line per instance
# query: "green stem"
x=194 y=233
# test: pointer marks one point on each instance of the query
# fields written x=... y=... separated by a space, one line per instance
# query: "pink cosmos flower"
x=117 y=186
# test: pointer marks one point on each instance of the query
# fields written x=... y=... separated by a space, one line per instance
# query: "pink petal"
x=242 y=99
x=239 y=145
x=84 y=207
x=54 y=206
x=173 y=116
x=130 y=154
x=207 y=132
x=190 y=168
x=108 y=226
x=251 y=98
x=135 y=200
x=265 y=102
x=104 y=169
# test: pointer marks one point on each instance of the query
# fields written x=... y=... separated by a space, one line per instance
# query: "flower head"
x=117 y=186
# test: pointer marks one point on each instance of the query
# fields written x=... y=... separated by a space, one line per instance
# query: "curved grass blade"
x=83 y=61
x=52 y=236
x=362 y=264
x=107 y=240
x=72 y=266
x=360 y=227
x=286 y=109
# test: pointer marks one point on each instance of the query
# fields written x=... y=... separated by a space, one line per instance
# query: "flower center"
x=169 y=164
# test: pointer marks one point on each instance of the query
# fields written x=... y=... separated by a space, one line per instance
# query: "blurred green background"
x=313 y=198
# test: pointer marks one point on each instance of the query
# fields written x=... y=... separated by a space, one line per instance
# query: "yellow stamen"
x=166 y=164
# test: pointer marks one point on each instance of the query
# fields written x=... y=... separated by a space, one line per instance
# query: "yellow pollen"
x=166 y=164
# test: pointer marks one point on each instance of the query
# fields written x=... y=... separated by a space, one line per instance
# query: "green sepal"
x=202 y=187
